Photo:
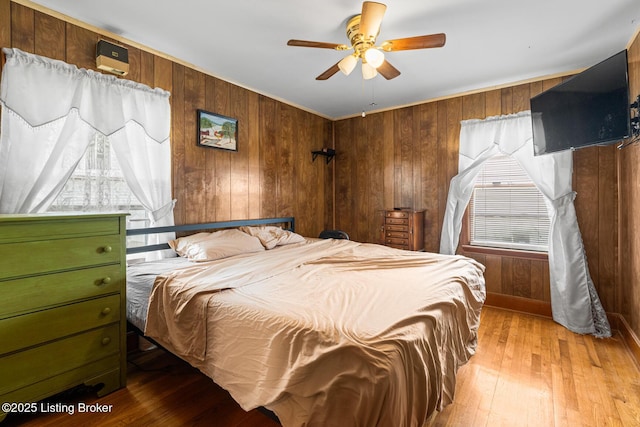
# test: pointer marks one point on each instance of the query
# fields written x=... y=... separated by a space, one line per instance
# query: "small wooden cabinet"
x=402 y=229
x=62 y=304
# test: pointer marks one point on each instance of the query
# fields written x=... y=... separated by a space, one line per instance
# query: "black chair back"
x=333 y=234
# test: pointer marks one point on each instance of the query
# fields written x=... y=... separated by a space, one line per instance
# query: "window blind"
x=506 y=209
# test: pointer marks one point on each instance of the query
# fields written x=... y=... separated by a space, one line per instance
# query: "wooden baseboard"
x=619 y=323
x=543 y=308
x=524 y=305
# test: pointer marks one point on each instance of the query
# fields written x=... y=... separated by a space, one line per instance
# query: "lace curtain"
x=574 y=301
x=52 y=111
x=98 y=184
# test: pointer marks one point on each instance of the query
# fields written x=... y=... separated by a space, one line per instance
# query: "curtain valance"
x=52 y=111
x=106 y=103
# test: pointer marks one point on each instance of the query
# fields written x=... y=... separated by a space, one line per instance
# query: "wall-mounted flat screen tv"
x=590 y=108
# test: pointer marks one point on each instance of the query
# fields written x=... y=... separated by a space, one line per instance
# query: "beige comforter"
x=326 y=333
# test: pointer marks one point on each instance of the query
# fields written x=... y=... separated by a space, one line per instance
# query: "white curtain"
x=50 y=113
x=574 y=300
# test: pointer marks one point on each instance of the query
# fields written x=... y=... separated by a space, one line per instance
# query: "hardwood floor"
x=528 y=371
x=162 y=390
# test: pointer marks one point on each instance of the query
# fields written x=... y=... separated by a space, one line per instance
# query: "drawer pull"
x=106 y=280
x=107 y=249
x=106 y=310
x=106 y=340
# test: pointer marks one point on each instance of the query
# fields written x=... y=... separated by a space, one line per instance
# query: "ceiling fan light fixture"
x=362 y=31
x=347 y=64
x=368 y=72
x=374 y=57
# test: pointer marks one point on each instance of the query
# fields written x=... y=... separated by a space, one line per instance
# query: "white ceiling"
x=489 y=43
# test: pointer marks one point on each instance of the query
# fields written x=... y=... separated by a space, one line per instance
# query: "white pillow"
x=181 y=244
x=216 y=245
x=271 y=236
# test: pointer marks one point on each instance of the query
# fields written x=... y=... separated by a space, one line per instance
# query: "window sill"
x=514 y=253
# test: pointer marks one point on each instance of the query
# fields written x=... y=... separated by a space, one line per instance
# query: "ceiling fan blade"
x=322 y=45
x=418 y=42
x=371 y=18
x=330 y=72
x=388 y=71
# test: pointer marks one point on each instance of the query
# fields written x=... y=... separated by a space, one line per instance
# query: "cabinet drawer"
x=397 y=234
x=18 y=259
x=397 y=241
x=36 y=364
x=21 y=295
x=64 y=381
x=393 y=227
x=397 y=214
x=24 y=228
x=397 y=221
x=30 y=329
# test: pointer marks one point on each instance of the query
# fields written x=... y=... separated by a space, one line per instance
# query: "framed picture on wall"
x=217 y=131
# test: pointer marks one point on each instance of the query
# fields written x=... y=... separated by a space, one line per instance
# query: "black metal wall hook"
x=328 y=152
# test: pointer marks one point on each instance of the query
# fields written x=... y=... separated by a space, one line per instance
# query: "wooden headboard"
x=287 y=223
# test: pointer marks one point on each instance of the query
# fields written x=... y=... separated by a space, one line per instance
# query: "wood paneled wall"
x=629 y=208
x=271 y=174
x=406 y=157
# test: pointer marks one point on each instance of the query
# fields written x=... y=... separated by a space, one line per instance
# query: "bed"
x=322 y=332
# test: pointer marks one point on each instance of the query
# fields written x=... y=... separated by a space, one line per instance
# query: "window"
x=98 y=185
x=506 y=209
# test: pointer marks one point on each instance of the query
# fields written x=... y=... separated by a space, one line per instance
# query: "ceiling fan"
x=362 y=31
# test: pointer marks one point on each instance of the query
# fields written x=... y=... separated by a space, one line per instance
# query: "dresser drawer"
x=24 y=331
x=87 y=374
x=36 y=364
x=37 y=292
x=404 y=243
x=397 y=221
x=38 y=257
x=24 y=228
x=397 y=234
x=395 y=227
x=397 y=214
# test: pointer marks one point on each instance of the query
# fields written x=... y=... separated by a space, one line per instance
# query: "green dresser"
x=62 y=304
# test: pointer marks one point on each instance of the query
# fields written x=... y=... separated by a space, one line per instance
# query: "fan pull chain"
x=362 y=90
